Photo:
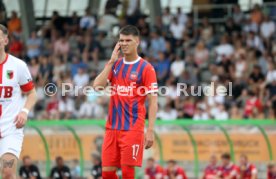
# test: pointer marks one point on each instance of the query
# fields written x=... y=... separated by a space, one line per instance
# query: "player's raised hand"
x=149 y=139
x=115 y=53
x=21 y=120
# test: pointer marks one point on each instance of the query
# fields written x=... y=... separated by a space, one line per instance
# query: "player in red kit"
x=132 y=80
x=211 y=170
x=153 y=170
x=173 y=171
x=227 y=170
x=271 y=171
x=246 y=169
x=15 y=80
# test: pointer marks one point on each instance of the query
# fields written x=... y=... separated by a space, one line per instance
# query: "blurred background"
x=195 y=42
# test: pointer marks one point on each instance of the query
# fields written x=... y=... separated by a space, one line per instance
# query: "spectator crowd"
x=240 y=53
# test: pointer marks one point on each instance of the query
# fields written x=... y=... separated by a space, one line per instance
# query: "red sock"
x=128 y=172
x=109 y=175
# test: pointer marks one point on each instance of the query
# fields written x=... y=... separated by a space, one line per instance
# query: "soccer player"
x=246 y=169
x=227 y=170
x=271 y=171
x=132 y=80
x=211 y=170
x=153 y=170
x=29 y=170
x=173 y=171
x=15 y=79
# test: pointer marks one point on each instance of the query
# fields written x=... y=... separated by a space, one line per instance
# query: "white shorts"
x=11 y=144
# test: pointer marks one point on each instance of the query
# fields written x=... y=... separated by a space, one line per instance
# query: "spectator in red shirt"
x=173 y=171
x=246 y=169
x=253 y=106
x=271 y=171
x=153 y=170
x=16 y=46
x=211 y=170
x=227 y=170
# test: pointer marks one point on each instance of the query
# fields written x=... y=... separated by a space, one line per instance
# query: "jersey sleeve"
x=149 y=80
x=25 y=78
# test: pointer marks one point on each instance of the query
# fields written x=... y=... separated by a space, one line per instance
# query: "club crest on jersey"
x=10 y=74
x=133 y=76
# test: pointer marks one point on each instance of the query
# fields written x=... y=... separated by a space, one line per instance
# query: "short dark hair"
x=59 y=158
x=226 y=156
x=4 y=29
x=130 y=30
x=26 y=157
x=171 y=161
x=151 y=159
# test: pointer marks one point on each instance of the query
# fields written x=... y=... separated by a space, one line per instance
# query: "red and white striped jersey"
x=14 y=78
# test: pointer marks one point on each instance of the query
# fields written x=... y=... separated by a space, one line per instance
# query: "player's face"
x=243 y=161
x=27 y=162
x=150 y=164
x=60 y=162
x=171 y=166
x=3 y=40
x=225 y=162
x=213 y=160
x=128 y=44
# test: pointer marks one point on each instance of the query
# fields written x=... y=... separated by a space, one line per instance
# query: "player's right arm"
x=101 y=80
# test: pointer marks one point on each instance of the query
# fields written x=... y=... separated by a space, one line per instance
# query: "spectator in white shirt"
x=267 y=28
x=254 y=41
x=224 y=49
x=66 y=107
x=182 y=18
x=168 y=113
x=177 y=67
x=271 y=74
x=200 y=114
x=81 y=79
x=177 y=29
x=92 y=107
x=88 y=21
x=219 y=113
x=167 y=18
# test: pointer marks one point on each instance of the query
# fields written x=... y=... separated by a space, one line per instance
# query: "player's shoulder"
x=144 y=61
x=16 y=61
x=147 y=64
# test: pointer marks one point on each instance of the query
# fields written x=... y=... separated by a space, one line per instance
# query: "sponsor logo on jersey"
x=10 y=74
x=6 y=91
x=133 y=75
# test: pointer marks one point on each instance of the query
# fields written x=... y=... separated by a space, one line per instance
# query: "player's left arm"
x=27 y=88
x=149 y=138
x=22 y=117
x=150 y=83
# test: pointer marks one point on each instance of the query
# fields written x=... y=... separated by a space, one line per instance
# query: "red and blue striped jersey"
x=130 y=84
